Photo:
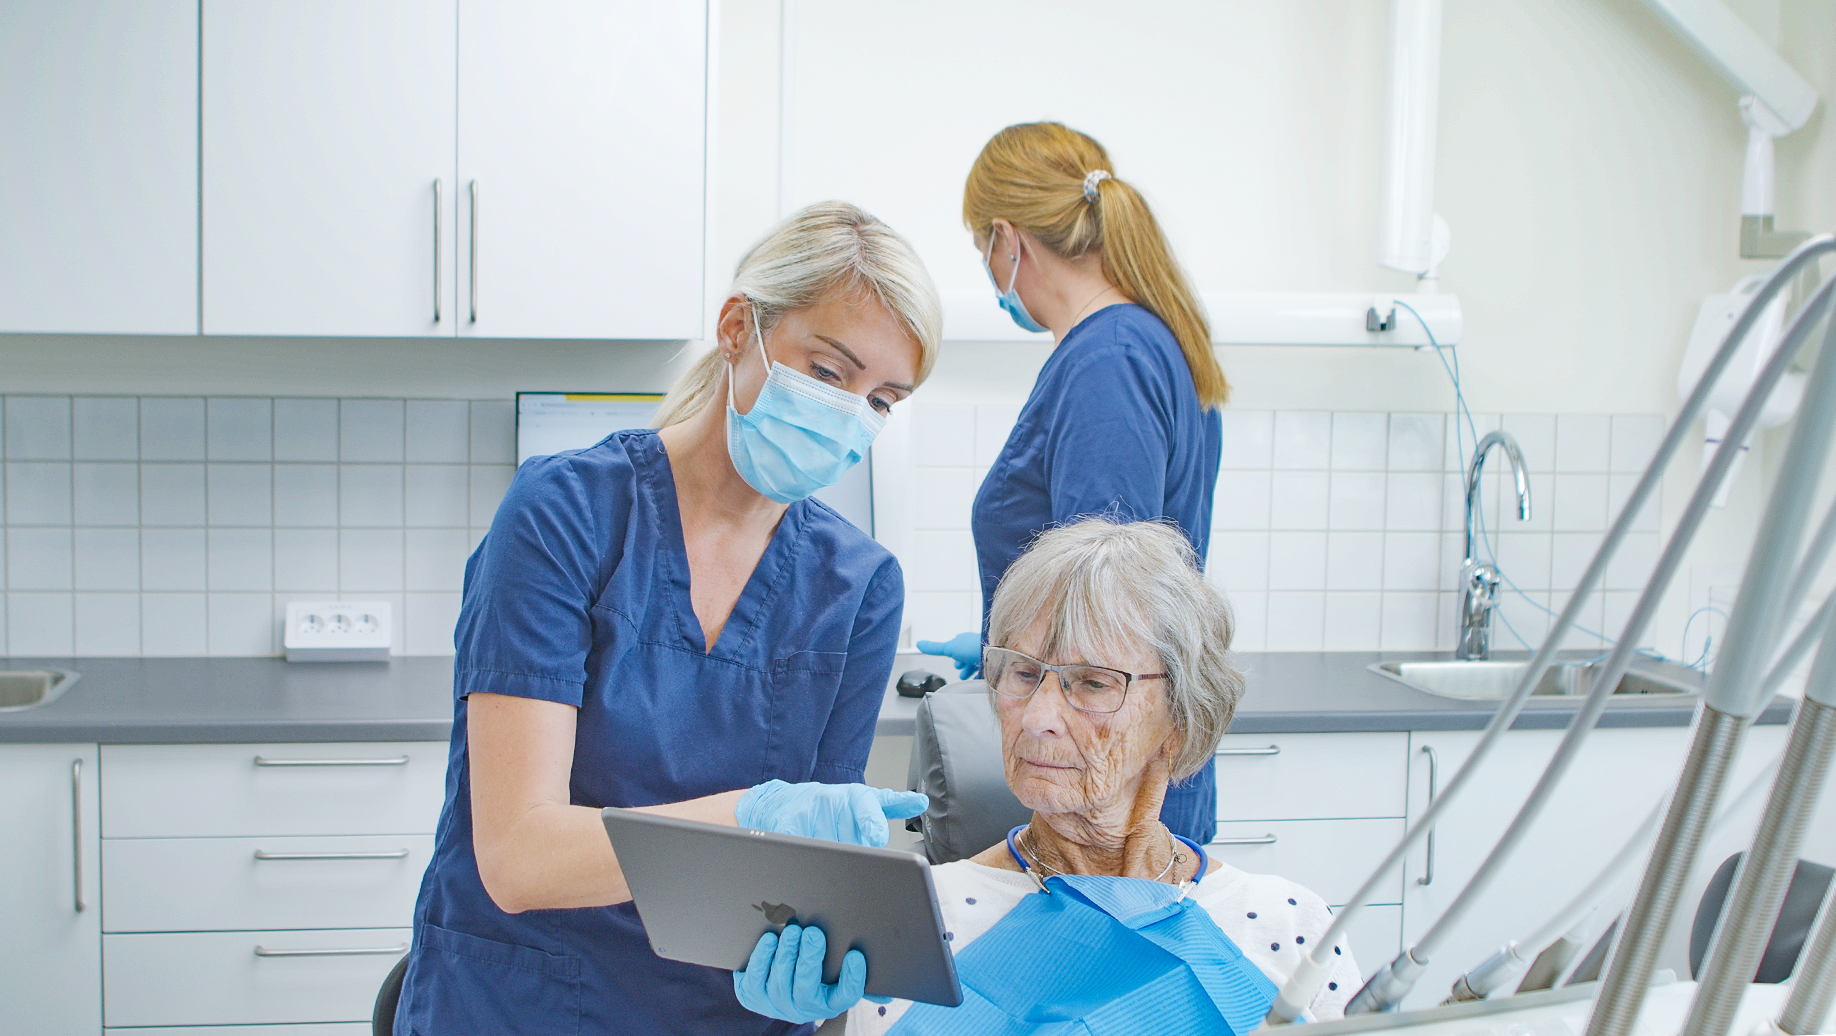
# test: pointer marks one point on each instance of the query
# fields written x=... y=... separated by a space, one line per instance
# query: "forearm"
x=551 y=855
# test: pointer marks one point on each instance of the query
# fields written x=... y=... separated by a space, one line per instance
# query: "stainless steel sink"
x=22 y=689
x=1491 y=681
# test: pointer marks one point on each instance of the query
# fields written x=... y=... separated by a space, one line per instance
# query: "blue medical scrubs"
x=1113 y=426
x=580 y=595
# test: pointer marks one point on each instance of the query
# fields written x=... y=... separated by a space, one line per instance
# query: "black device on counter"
x=918 y=682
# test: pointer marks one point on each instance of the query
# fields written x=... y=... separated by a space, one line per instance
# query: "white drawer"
x=1312 y=776
x=220 y=884
x=216 y=978
x=1331 y=857
x=172 y=791
x=335 y=1029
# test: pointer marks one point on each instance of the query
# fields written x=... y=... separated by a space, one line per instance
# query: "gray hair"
x=820 y=249
x=1105 y=587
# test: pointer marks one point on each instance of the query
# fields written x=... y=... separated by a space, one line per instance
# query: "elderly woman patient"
x=1108 y=672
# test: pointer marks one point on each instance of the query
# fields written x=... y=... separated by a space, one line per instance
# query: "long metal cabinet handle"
x=474 y=292
x=1271 y=750
x=1264 y=840
x=76 y=830
x=436 y=263
x=400 y=760
x=398 y=854
x=1434 y=774
x=357 y=951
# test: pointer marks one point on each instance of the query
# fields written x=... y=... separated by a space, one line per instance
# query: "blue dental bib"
x=1101 y=956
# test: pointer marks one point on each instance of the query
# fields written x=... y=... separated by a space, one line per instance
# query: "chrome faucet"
x=1479 y=582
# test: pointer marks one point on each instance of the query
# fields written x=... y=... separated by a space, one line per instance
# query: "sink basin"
x=22 y=689
x=1492 y=681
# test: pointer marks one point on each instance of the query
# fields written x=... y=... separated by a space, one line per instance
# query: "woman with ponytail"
x=1123 y=418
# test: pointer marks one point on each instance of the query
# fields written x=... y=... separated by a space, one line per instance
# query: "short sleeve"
x=524 y=628
x=841 y=756
x=1110 y=438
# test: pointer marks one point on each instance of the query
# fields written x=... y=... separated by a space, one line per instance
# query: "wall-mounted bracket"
x=1374 y=322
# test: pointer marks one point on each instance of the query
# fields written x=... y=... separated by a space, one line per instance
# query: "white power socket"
x=338 y=631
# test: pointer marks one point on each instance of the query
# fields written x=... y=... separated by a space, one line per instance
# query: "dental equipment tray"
x=706 y=893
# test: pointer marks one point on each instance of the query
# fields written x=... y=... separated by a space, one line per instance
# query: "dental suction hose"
x=1813 y=987
x=1729 y=700
x=1369 y=998
x=1515 y=957
x=1307 y=979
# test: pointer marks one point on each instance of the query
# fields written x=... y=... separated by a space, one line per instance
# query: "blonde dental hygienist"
x=1123 y=418
x=667 y=621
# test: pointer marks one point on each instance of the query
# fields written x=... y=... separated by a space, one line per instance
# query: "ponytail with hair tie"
x=1043 y=177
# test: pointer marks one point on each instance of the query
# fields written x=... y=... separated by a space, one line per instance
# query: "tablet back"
x=706 y=893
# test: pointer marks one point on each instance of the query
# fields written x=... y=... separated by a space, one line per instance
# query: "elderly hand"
x=784 y=978
x=965 y=649
x=852 y=813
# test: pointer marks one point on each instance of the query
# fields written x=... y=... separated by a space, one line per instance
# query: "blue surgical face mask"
x=800 y=435
x=1010 y=299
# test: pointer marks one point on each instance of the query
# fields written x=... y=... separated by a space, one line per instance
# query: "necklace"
x=1032 y=849
x=1080 y=313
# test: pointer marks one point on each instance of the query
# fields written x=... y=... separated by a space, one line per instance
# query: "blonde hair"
x=1038 y=176
x=820 y=250
x=1104 y=587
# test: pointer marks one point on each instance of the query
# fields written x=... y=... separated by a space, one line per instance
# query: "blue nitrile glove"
x=836 y=812
x=784 y=978
x=965 y=649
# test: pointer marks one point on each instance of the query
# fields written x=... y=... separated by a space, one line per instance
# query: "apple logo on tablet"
x=776 y=913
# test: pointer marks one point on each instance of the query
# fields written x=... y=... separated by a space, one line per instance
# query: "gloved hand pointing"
x=852 y=813
x=784 y=978
x=965 y=649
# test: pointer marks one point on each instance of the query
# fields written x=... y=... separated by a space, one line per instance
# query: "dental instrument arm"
x=1729 y=701
x=1390 y=984
x=1301 y=986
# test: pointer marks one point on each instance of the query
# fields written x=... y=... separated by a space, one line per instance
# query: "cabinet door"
x=327 y=124
x=582 y=127
x=1621 y=774
x=99 y=166
x=51 y=956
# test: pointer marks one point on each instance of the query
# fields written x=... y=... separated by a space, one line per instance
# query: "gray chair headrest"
x=956 y=760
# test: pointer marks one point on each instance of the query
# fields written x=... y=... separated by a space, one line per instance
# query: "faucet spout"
x=1478 y=581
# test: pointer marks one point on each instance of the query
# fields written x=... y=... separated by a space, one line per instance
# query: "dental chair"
x=956 y=760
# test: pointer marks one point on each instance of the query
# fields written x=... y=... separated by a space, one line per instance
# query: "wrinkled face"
x=1061 y=760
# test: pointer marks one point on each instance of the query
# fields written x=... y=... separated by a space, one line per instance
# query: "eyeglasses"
x=1089 y=688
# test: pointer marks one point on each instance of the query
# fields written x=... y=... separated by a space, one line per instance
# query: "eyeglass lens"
x=1088 y=688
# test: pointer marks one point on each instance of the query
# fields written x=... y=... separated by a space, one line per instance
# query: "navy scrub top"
x=580 y=595
x=1113 y=426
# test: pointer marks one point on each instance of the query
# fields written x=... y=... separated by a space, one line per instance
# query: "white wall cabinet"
x=50 y=956
x=582 y=130
x=326 y=125
x=99 y=166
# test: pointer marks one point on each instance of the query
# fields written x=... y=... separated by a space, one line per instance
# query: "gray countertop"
x=206 y=700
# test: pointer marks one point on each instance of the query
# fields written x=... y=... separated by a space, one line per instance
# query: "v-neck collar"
x=740 y=636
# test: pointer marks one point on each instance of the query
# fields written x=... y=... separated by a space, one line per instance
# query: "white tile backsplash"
x=370 y=495
x=108 y=624
x=240 y=494
x=1337 y=529
x=493 y=432
x=1360 y=441
x=371 y=430
x=241 y=559
x=105 y=494
x=105 y=428
x=306 y=561
x=439 y=431
x=174 y=624
x=39 y=559
x=107 y=559
x=370 y=560
x=305 y=495
x=172 y=494
x=37 y=428
x=37 y=493
x=40 y=624
x=239 y=429
x=434 y=559
x=240 y=624
x=435 y=496
x=171 y=429
x=307 y=429
x=172 y=559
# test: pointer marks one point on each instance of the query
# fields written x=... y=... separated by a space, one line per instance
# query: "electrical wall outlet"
x=338 y=631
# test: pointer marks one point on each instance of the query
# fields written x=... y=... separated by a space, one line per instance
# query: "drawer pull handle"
x=76 y=827
x=358 y=951
x=1271 y=750
x=398 y=854
x=1264 y=840
x=400 y=760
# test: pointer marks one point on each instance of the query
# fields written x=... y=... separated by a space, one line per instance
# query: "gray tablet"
x=706 y=893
